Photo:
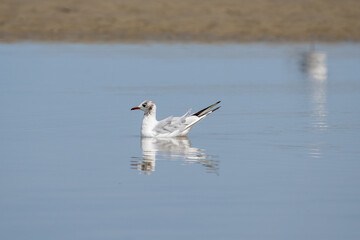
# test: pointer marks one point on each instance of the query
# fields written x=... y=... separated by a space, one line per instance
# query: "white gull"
x=171 y=126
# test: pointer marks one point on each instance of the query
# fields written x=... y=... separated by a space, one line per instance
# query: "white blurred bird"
x=171 y=126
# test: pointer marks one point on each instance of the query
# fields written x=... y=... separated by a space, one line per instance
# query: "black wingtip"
x=215 y=109
x=205 y=110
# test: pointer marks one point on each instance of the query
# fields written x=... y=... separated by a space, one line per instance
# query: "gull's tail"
x=207 y=110
x=203 y=113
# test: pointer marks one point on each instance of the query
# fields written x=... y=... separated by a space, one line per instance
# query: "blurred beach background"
x=187 y=20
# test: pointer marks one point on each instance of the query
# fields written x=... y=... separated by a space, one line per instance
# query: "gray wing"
x=172 y=125
x=180 y=126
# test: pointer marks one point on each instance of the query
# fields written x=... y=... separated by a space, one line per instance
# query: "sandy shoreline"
x=186 y=20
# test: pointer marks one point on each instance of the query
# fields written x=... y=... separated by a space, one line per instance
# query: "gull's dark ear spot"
x=151 y=107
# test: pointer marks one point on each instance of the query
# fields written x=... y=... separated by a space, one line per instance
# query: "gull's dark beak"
x=135 y=108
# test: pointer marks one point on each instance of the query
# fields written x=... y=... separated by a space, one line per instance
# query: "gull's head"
x=146 y=106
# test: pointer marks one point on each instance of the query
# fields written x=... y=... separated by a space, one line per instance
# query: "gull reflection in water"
x=179 y=148
x=315 y=68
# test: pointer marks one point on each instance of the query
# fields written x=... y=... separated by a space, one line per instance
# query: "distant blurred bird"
x=171 y=126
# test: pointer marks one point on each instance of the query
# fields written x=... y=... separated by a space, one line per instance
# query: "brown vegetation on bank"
x=185 y=20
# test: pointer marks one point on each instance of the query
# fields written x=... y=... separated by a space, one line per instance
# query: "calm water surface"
x=279 y=160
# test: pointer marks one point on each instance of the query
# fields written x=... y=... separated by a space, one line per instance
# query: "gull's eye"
x=144 y=105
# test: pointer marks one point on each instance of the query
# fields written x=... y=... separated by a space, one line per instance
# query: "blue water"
x=279 y=160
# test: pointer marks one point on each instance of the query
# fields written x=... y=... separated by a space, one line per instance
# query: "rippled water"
x=279 y=160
